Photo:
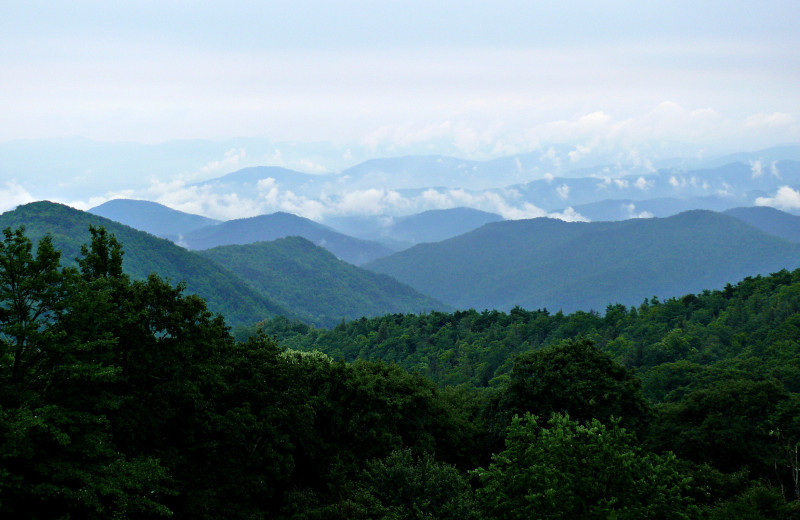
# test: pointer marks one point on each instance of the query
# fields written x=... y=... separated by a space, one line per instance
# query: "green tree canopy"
x=571 y=470
x=576 y=378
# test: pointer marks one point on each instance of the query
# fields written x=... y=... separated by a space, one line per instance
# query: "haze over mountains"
x=152 y=217
x=534 y=263
x=627 y=237
x=337 y=290
x=368 y=200
x=281 y=225
x=547 y=183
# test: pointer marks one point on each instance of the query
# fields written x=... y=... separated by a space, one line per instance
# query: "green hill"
x=312 y=281
x=544 y=263
x=145 y=254
x=280 y=225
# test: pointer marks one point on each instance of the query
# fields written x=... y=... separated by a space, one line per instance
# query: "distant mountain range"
x=551 y=180
x=538 y=262
x=246 y=284
x=624 y=209
x=570 y=266
x=428 y=226
x=367 y=237
x=281 y=225
x=549 y=177
x=769 y=220
x=737 y=183
x=532 y=263
x=152 y=217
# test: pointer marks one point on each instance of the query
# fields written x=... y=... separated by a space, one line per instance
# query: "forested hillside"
x=573 y=266
x=146 y=254
x=128 y=399
x=313 y=282
x=750 y=326
x=280 y=225
x=770 y=220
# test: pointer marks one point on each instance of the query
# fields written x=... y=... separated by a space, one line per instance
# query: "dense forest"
x=311 y=281
x=126 y=398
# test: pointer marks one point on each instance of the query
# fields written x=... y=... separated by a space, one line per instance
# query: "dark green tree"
x=58 y=458
x=573 y=377
x=408 y=487
x=31 y=291
x=569 y=470
x=103 y=257
x=729 y=425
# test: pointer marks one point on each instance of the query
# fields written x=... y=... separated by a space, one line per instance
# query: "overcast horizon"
x=319 y=86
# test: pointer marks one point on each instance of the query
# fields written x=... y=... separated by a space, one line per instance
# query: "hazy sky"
x=483 y=78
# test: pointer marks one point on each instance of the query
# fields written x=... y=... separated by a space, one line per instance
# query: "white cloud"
x=677 y=183
x=773 y=169
x=552 y=156
x=725 y=191
x=579 y=152
x=309 y=166
x=563 y=191
x=12 y=196
x=266 y=184
x=371 y=202
x=485 y=200
x=231 y=162
x=622 y=183
x=631 y=210
x=527 y=210
x=785 y=198
x=568 y=215
x=775 y=119
x=268 y=191
x=643 y=184
x=549 y=177
x=756 y=169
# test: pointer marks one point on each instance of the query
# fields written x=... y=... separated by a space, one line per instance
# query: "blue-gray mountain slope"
x=570 y=266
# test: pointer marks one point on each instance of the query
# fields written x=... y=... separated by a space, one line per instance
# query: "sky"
x=473 y=79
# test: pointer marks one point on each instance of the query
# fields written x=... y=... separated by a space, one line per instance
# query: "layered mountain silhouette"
x=280 y=225
x=532 y=263
x=770 y=220
x=152 y=217
x=246 y=283
x=546 y=263
x=145 y=254
x=312 y=281
x=428 y=226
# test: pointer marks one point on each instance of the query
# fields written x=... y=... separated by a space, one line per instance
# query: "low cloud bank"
x=785 y=198
x=269 y=196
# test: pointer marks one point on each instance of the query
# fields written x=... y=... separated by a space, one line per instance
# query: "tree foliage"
x=574 y=378
x=568 y=469
x=127 y=398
